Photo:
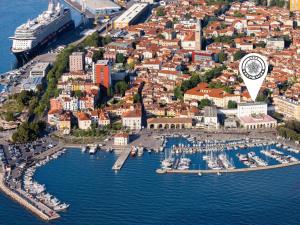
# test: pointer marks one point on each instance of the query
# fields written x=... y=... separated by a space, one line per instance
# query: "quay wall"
x=23 y=202
x=161 y=171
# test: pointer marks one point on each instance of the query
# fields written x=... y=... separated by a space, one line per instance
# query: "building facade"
x=248 y=109
x=121 y=139
x=132 y=119
x=288 y=107
x=294 y=5
x=101 y=73
x=76 y=61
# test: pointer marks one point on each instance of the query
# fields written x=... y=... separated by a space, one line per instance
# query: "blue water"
x=137 y=195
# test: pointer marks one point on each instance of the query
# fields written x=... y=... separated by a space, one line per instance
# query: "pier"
x=175 y=171
x=37 y=208
x=49 y=152
x=121 y=159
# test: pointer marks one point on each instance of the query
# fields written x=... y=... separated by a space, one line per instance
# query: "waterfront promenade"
x=278 y=166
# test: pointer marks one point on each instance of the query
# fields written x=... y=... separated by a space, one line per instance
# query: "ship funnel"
x=50 y=6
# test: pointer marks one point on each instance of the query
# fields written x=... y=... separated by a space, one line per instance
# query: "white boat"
x=61 y=207
x=140 y=151
x=93 y=150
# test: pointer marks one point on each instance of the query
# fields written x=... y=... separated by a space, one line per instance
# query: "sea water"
x=137 y=195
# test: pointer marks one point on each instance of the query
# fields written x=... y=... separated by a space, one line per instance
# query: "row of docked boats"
x=251 y=160
x=279 y=156
x=209 y=145
x=139 y=151
x=182 y=163
x=38 y=191
x=219 y=162
x=93 y=148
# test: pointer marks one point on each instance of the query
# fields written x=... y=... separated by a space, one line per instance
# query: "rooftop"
x=257 y=119
x=101 y=4
x=132 y=12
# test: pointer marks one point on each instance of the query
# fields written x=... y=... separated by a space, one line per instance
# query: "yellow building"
x=294 y=5
x=289 y=108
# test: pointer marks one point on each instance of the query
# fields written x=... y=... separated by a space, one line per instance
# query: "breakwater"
x=37 y=208
x=176 y=171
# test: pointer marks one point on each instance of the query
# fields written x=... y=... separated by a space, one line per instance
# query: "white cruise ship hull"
x=25 y=55
x=32 y=37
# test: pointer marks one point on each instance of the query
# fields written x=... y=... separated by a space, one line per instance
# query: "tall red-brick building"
x=101 y=73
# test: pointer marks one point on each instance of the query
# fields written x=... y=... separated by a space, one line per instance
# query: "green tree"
x=228 y=89
x=160 y=11
x=204 y=102
x=232 y=104
x=120 y=58
x=188 y=16
x=109 y=92
x=78 y=94
x=107 y=39
x=137 y=98
x=98 y=55
x=222 y=57
x=260 y=44
x=28 y=132
x=238 y=14
x=92 y=40
x=238 y=55
x=178 y=93
x=121 y=87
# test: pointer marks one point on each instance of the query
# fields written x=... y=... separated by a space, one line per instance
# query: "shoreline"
x=26 y=203
x=43 y=212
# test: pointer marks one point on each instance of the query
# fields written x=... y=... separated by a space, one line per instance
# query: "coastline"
x=44 y=214
x=122 y=157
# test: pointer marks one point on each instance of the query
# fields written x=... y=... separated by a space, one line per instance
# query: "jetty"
x=277 y=166
x=37 y=208
x=49 y=152
x=121 y=159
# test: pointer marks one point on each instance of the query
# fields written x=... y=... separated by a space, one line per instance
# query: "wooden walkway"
x=161 y=171
x=121 y=159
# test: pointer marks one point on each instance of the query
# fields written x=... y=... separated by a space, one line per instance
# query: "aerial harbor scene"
x=149 y=112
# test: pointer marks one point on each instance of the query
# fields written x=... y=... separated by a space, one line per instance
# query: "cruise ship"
x=31 y=37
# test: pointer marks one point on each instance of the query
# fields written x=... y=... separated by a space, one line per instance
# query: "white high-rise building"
x=198 y=36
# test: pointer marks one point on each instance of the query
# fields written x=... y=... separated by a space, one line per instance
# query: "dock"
x=121 y=159
x=175 y=171
x=37 y=208
x=49 y=152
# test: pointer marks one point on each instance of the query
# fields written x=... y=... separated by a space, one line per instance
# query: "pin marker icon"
x=253 y=69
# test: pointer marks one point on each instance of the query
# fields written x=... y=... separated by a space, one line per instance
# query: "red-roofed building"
x=132 y=119
x=84 y=121
x=217 y=95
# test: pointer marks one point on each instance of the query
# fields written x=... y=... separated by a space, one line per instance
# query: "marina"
x=178 y=154
x=69 y=182
x=184 y=155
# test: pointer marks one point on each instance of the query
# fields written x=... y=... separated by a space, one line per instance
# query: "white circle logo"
x=253 y=66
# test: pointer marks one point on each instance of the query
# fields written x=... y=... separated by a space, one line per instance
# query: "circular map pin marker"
x=253 y=69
